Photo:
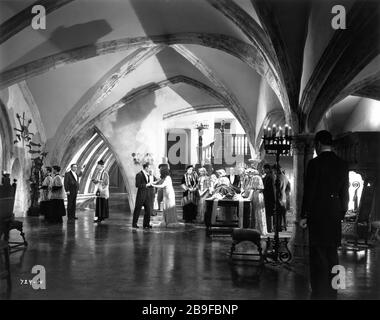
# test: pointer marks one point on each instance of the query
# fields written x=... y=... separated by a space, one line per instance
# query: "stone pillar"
x=303 y=149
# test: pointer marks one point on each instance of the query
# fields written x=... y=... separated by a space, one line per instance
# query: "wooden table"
x=226 y=227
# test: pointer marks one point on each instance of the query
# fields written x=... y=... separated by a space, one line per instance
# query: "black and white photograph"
x=206 y=153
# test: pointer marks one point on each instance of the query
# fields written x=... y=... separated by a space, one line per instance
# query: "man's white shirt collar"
x=74 y=174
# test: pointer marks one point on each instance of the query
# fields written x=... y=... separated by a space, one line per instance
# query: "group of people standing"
x=146 y=183
x=204 y=183
x=238 y=183
x=55 y=188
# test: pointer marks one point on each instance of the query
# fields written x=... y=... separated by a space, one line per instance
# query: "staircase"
x=176 y=176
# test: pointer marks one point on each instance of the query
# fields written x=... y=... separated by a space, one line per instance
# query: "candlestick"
x=286 y=130
x=274 y=131
x=265 y=132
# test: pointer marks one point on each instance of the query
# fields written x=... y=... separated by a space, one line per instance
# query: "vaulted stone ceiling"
x=262 y=59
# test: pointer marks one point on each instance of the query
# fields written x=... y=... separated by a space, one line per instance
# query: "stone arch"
x=233 y=103
x=250 y=54
x=194 y=110
x=84 y=132
x=345 y=56
x=91 y=158
x=357 y=87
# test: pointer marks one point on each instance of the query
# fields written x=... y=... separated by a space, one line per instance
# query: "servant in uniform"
x=101 y=181
x=45 y=192
x=57 y=198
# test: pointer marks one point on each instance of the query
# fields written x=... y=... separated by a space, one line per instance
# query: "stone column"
x=303 y=149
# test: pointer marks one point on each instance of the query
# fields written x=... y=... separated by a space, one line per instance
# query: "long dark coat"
x=325 y=199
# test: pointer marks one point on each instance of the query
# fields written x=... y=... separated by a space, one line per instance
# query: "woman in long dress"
x=190 y=195
x=45 y=192
x=204 y=192
x=101 y=181
x=57 y=198
x=253 y=189
x=169 y=209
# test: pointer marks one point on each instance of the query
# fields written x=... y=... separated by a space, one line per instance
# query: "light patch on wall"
x=373 y=107
x=356 y=183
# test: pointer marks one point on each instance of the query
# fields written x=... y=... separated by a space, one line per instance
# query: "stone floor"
x=114 y=261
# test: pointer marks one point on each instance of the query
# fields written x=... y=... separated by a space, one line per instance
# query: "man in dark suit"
x=281 y=183
x=143 y=198
x=324 y=206
x=71 y=184
x=269 y=198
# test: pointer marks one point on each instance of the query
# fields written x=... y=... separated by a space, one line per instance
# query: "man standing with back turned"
x=325 y=203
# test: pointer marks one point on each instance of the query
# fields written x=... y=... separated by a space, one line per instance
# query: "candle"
x=265 y=132
x=290 y=131
x=280 y=132
x=274 y=131
x=286 y=130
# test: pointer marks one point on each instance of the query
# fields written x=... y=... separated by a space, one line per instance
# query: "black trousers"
x=269 y=208
x=45 y=208
x=56 y=211
x=322 y=260
x=145 y=202
x=280 y=219
x=189 y=212
x=152 y=196
x=71 y=204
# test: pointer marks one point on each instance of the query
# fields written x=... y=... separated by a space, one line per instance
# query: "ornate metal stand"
x=278 y=250
x=24 y=135
x=278 y=144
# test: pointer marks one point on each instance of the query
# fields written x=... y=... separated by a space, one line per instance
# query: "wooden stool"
x=250 y=235
x=6 y=274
